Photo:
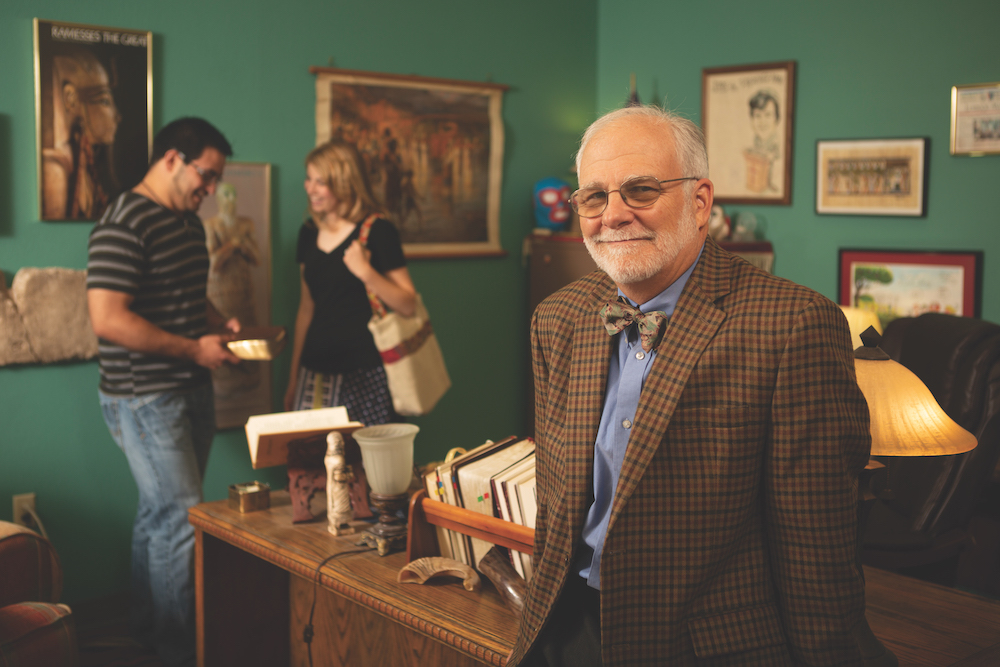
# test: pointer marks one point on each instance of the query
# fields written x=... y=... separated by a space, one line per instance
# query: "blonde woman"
x=334 y=359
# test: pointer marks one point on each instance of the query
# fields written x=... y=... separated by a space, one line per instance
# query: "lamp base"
x=389 y=534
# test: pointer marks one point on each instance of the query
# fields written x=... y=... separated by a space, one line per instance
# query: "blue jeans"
x=166 y=438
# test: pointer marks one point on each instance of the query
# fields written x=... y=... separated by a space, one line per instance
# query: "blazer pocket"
x=736 y=631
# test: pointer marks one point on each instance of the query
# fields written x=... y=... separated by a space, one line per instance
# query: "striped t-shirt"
x=160 y=258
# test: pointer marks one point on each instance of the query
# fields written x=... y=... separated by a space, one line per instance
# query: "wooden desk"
x=254 y=592
x=926 y=625
x=254 y=589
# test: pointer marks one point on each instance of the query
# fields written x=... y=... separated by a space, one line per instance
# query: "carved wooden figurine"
x=339 y=476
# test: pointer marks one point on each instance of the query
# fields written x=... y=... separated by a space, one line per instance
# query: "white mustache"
x=614 y=235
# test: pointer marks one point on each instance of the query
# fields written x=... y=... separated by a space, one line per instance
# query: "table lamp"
x=387 y=455
x=859 y=319
x=906 y=420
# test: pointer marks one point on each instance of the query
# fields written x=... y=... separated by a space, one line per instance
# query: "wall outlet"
x=22 y=503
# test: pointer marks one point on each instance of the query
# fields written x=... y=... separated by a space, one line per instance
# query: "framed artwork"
x=238 y=234
x=433 y=149
x=747 y=113
x=907 y=283
x=975 y=119
x=93 y=115
x=871 y=177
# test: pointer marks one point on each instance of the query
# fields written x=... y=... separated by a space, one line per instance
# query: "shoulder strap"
x=378 y=308
x=366 y=228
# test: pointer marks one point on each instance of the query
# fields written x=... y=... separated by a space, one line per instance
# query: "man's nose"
x=617 y=212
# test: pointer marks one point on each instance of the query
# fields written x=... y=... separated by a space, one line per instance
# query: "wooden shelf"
x=425 y=514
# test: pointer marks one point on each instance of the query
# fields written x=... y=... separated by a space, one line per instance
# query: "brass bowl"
x=258 y=343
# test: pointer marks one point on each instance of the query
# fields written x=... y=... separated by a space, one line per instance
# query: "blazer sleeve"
x=541 y=374
x=819 y=443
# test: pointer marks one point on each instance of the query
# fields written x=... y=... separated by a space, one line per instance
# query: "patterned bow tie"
x=618 y=315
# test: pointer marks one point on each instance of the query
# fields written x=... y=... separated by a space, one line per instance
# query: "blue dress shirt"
x=627 y=372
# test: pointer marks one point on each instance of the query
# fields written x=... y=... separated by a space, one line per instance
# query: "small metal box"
x=249 y=497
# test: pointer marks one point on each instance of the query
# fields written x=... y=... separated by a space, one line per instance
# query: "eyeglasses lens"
x=638 y=193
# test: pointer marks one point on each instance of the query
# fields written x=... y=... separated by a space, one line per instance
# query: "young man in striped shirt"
x=146 y=288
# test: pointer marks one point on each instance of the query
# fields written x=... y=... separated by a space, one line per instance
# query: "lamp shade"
x=387 y=454
x=905 y=418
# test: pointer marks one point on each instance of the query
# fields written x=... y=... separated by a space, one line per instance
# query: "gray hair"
x=688 y=137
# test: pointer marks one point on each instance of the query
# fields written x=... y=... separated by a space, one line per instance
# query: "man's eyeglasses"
x=640 y=192
x=208 y=176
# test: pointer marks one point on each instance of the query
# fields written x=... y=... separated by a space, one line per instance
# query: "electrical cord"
x=307 y=632
x=37 y=520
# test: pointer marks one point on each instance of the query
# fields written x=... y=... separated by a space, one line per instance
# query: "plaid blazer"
x=733 y=531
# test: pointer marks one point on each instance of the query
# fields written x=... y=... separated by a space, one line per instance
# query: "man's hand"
x=212 y=351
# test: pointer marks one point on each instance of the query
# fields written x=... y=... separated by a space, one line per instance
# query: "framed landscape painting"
x=433 y=151
x=907 y=283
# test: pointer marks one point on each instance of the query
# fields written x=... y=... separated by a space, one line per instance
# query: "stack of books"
x=496 y=479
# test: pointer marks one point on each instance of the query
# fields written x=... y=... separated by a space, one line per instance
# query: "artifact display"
x=339 y=476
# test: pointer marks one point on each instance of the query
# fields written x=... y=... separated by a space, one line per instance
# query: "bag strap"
x=378 y=308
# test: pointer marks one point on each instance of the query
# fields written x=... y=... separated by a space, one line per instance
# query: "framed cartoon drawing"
x=93 y=115
x=747 y=113
x=907 y=283
x=237 y=224
x=433 y=149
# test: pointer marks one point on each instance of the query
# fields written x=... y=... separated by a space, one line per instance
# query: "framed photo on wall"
x=93 y=115
x=871 y=176
x=747 y=113
x=237 y=224
x=433 y=149
x=975 y=119
x=907 y=283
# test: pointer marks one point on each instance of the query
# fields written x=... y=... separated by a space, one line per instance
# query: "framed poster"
x=871 y=177
x=975 y=119
x=433 y=149
x=237 y=224
x=907 y=283
x=746 y=113
x=93 y=115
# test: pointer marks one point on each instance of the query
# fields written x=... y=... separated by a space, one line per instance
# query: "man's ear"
x=702 y=199
x=172 y=160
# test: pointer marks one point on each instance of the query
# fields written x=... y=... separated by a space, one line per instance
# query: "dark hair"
x=190 y=136
x=760 y=100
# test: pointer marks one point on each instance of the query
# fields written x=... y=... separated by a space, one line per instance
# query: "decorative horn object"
x=506 y=579
x=422 y=569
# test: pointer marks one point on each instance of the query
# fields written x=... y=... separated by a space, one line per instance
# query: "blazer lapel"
x=592 y=348
x=692 y=327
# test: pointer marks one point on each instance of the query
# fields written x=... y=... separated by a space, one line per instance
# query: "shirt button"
x=627 y=424
x=640 y=355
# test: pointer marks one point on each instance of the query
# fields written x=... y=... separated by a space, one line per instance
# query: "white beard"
x=632 y=263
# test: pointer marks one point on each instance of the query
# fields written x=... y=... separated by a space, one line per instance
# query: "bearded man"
x=699 y=435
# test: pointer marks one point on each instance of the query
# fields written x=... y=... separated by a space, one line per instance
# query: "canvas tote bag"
x=410 y=352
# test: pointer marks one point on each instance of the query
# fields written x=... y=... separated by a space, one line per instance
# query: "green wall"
x=864 y=70
x=245 y=66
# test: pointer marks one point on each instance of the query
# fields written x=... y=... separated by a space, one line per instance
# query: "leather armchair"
x=925 y=521
x=35 y=631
